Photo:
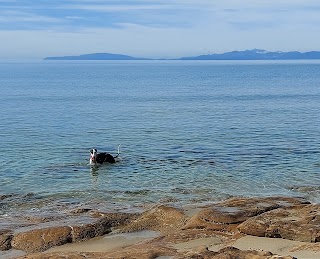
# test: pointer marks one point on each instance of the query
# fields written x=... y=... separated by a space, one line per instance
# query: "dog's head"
x=93 y=156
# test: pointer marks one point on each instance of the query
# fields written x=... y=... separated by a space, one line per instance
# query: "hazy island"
x=255 y=54
x=96 y=56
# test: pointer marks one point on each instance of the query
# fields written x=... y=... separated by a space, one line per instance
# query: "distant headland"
x=254 y=54
x=96 y=56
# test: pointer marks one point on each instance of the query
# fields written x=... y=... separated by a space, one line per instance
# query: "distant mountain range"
x=255 y=54
x=96 y=56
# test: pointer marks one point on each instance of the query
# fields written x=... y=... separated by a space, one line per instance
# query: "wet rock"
x=299 y=223
x=162 y=218
x=41 y=239
x=116 y=219
x=6 y=236
x=28 y=195
x=80 y=210
x=87 y=231
x=5 y=196
x=226 y=215
x=32 y=219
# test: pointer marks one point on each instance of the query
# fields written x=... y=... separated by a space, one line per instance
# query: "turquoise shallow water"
x=191 y=131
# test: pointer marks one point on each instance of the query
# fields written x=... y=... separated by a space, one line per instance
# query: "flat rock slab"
x=148 y=252
x=231 y=253
x=41 y=239
x=290 y=218
x=279 y=246
x=237 y=210
x=161 y=218
x=300 y=223
x=108 y=243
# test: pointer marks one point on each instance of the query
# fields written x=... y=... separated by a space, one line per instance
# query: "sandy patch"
x=277 y=246
x=190 y=245
x=107 y=243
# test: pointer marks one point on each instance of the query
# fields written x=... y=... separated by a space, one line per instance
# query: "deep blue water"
x=191 y=131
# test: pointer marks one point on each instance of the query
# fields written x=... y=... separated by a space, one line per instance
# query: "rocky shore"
x=274 y=227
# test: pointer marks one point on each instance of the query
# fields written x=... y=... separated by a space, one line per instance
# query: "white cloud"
x=117 y=8
x=190 y=28
x=8 y=16
x=146 y=41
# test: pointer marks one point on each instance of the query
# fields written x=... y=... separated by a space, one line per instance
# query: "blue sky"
x=155 y=28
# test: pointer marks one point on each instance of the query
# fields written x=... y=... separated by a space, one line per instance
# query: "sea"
x=191 y=132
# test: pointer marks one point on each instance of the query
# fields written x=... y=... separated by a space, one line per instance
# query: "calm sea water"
x=190 y=132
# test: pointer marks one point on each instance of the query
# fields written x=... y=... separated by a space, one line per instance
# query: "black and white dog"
x=100 y=158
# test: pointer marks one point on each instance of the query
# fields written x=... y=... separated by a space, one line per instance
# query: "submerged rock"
x=80 y=210
x=5 y=196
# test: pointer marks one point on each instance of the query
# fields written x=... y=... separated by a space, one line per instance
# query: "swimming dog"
x=100 y=158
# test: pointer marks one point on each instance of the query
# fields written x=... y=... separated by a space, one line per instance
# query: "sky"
x=155 y=28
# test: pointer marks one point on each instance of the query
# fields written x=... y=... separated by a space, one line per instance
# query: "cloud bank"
x=35 y=29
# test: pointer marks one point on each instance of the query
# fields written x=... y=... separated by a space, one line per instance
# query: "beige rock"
x=41 y=239
x=180 y=235
x=65 y=255
x=101 y=226
x=150 y=252
x=135 y=252
x=162 y=218
x=190 y=235
x=230 y=253
x=300 y=223
x=225 y=216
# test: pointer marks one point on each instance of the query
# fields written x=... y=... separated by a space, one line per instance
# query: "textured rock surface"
x=138 y=252
x=6 y=236
x=41 y=239
x=45 y=238
x=287 y=218
x=154 y=252
x=116 y=219
x=300 y=223
x=87 y=231
x=163 y=219
x=230 y=253
x=228 y=214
